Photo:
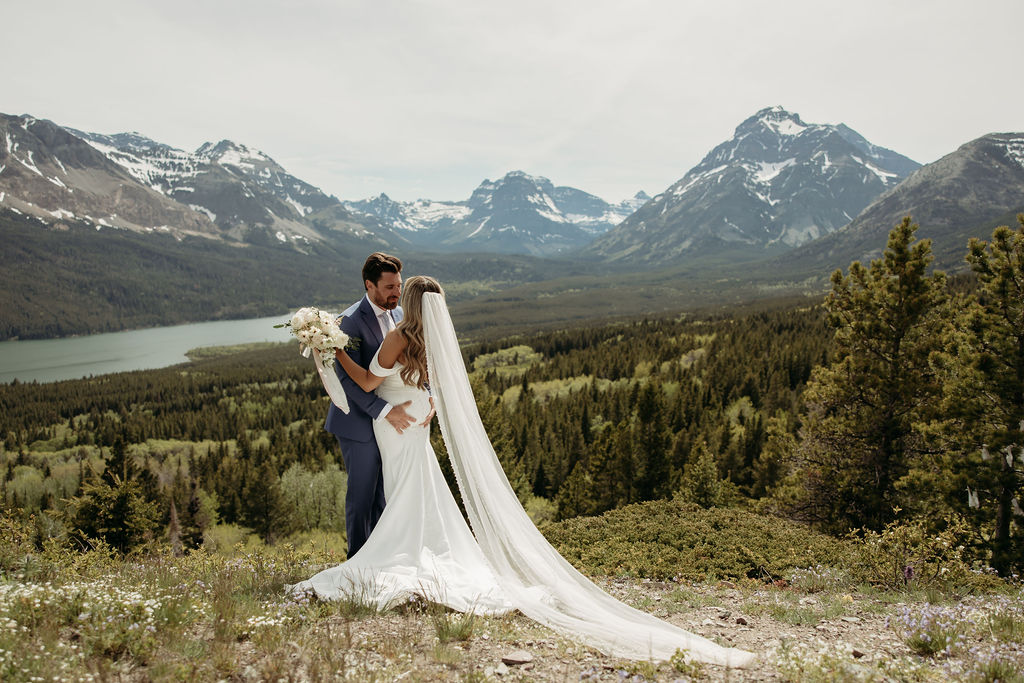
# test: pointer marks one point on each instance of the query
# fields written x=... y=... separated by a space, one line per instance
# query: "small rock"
x=707 y=622
x=516 y=658
x=808 y=601
x=741 y=621
x=727 y=584
x=851 y=620
x=725 y=615
x=857 y=653
x=501 y=669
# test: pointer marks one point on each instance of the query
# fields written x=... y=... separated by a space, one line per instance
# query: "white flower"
x=317 y=329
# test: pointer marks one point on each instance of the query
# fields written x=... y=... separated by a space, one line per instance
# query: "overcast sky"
x=427 y=98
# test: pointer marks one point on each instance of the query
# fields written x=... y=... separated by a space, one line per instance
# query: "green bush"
x=118 y=515
x=911 y=555
x=670 y=538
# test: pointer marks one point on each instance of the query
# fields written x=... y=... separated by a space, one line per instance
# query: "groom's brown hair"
x=378 y=263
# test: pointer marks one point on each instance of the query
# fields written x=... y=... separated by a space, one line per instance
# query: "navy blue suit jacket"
x=363 y=329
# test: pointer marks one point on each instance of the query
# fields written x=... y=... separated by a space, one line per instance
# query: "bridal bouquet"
x=320 y=336
x=316 y=331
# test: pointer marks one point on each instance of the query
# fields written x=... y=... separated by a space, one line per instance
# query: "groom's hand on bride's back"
x=398 y=418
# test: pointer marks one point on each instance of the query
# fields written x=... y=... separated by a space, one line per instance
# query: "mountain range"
x=779 y=205
x=233 y=192
x=516 y=214
x=776 y=184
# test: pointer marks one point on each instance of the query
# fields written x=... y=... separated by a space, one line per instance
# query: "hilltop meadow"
x=832 y=482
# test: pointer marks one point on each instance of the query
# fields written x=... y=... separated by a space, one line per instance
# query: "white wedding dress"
x=422 y=545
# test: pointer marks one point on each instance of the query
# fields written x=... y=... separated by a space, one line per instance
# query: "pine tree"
x=119 y=465
x=575 y=498
x=701 y=483
x=116 y=513
x=653 y=441
x=859 y=438
x=263 y=505
x=984 y=394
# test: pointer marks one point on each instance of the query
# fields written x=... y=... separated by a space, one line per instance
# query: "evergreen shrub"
x=911 y=555
x=668 y=539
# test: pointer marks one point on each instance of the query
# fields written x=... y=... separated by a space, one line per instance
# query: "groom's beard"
x=388 y=303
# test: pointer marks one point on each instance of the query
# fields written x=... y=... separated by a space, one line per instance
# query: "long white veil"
x=539 y=582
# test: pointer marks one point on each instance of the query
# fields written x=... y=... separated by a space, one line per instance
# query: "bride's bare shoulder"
x=392 y=348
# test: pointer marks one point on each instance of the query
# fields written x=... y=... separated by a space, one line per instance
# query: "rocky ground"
x=797 y=635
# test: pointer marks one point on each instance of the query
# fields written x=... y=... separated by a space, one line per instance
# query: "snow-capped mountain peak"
x=230 y=153
x=775 y=119
x=777 y=183
x=517 y=213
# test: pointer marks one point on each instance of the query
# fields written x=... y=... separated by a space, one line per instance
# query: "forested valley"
x=897 y=400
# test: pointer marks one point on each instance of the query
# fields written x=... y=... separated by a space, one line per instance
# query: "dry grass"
x=209 y=617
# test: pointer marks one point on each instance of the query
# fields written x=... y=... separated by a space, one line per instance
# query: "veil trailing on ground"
x=539 y=582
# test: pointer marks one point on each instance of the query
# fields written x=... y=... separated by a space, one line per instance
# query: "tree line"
x=898 y=397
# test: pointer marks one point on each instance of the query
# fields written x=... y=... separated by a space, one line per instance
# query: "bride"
x=421 y=544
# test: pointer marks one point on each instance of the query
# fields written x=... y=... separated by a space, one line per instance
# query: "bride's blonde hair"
x=414 y=368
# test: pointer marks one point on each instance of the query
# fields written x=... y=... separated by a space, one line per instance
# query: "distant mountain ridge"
x=962 y=195
x=234 y=192
x=241 y=189
x=519 y=213
x=776 y=184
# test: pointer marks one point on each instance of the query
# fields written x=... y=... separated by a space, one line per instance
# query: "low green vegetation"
x=670 y=539
x=205 y=352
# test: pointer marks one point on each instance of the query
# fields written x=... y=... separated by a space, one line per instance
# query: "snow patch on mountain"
x=696 y=179
x=1015 y=150
x=765 y=171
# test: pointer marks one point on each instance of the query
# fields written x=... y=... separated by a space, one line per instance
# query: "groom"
x=366 y=322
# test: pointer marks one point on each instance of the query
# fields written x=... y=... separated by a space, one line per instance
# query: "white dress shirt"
x=387 y=323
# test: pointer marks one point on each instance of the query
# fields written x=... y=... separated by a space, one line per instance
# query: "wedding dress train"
x=422 y=545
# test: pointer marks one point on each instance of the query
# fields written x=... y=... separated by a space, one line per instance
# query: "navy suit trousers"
x=364 y=498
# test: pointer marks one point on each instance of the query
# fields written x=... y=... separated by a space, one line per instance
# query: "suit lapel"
x=370 y=321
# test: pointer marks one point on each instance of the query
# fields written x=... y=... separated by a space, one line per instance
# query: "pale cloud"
x=427 y=98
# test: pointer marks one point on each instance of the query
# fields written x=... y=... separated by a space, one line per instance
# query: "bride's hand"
x=430 y=415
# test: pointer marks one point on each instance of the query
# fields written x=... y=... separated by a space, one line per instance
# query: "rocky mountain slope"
x=53 y=175
x=240 y=189
x=776 y=184
x=962 y=195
